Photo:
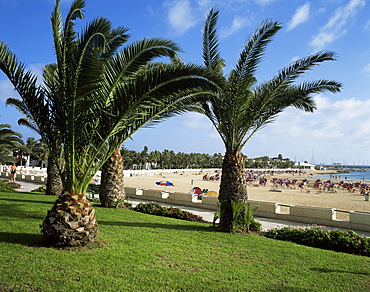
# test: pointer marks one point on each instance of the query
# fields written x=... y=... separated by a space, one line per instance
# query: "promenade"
x=267 y=223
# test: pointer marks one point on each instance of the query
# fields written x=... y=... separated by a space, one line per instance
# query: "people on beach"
x=212 y=178
x=258 y=178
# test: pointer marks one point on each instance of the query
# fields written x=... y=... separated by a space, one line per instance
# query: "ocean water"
x=352 y=176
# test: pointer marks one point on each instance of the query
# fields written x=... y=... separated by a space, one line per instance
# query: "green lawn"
x=140 y=252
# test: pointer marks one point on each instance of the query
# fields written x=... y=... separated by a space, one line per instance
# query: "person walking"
x=13 y=173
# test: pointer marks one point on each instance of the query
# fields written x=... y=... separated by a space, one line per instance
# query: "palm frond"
x=254 y=49
x=5 y=157
x=290 y=73
x=57 y=29
x=24 y=83
x=211 y=55
x=9 y=138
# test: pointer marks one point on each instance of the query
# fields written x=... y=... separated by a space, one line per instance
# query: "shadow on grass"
x=27 y=239
x=326 y=270
x=27 y=201
x=20 y=211
x=206 y=227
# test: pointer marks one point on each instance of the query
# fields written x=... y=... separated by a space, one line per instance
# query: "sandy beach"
x=340 y=200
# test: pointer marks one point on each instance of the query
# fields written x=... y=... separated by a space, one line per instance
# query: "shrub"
x=13 y=185
x=156 y=209
x=243 y=221
x=6 y=185
x=316 y=236
x=40 y=189
x=94 y=200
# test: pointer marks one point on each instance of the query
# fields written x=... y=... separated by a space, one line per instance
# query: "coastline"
x=184 y=181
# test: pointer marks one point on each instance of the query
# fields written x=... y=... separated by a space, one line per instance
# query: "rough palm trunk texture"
x=232 y=187
x=71 y=222
x=111 y=191
x=54 y=186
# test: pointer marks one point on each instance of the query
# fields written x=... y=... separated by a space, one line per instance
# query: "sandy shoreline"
x=341 y=200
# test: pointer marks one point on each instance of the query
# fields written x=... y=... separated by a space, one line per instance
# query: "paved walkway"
x=267 y=223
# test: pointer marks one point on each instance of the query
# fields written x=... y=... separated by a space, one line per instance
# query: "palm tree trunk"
x=71 y=222
x=111 y=191
x=54 y=186
x=232 y=188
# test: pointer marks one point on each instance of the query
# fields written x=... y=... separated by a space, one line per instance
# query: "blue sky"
x=339 y=131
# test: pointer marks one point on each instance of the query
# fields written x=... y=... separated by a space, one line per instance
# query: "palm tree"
x=155 y=158
x=54 y=185
x=30 y=147
x=111 y=189
x=9 y=140
x=33 y=149
x=92 y=99
x=243 y=107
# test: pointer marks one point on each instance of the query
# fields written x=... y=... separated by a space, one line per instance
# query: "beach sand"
x=341 y=200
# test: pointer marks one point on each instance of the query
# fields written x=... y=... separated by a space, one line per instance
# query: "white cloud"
x=337 y=129
x=295 y=58
x=180 y=15
x=335 y=27
x=301 y=15
x=367 y=25
x=367 y=68
x=205 y=3
x=196 y=121
x=264 y=2
x=238 y=23
x=37 y=69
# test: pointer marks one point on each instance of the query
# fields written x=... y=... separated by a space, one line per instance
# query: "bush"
x=40 y=189
x=342 y=241
x=6 y=186
x=156 y=209
x=94 y=200
x=243 y=221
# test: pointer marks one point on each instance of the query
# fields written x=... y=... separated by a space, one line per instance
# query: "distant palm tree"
x=54 y=185
x=89 y=104
x=243 y=107
x=25 y=150
x=9 y=140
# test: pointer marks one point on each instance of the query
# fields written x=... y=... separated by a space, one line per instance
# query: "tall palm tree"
x=243 y=107
x=90 y=103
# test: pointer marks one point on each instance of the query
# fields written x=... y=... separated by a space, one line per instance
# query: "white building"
x=305 y=165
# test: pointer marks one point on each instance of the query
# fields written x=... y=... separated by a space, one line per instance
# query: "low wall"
x=25 y=177
x=310 y=215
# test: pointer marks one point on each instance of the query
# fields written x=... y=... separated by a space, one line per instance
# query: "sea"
x=350 y=176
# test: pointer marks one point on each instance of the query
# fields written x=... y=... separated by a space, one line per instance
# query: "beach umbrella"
x=212 y=194
x=165 y=183
x=196 y=191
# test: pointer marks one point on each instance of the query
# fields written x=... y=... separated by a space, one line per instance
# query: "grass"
x=141 y=252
